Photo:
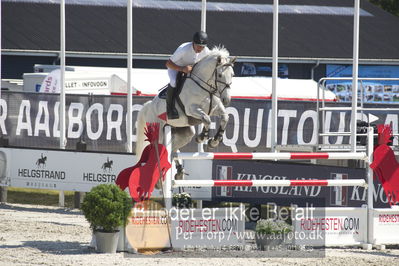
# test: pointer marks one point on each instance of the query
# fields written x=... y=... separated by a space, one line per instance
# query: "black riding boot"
x=170 y=102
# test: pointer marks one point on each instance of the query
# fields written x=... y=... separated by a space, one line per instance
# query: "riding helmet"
x=200 y=38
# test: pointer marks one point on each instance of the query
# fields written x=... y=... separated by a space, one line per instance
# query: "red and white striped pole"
x=271 y=155
x=269 y=183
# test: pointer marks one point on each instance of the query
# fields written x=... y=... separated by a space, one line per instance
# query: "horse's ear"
x=233 y=59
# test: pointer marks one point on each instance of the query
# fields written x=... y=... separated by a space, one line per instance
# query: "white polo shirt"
x=185 y=55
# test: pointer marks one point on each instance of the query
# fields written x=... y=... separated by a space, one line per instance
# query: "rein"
x=214 y=88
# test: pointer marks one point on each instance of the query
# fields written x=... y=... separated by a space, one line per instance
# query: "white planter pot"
x=106 y=242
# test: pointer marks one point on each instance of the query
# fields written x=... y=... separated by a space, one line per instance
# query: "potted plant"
x=106 y=207
x=182 y=200
x=271 y=233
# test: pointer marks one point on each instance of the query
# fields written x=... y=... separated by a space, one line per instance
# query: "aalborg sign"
x=101 y=121
x=64 y=170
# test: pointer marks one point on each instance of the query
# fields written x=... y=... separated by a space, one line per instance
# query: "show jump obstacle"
x=264 y=183
x=371 y=235
x=271 y=156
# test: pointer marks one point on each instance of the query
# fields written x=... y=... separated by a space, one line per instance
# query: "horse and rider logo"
x=107 y=165
x=41 y=161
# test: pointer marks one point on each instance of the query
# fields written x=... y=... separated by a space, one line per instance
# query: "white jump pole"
x=61 y=196
x=203 y=15
x=370 y=182
x=271 y=156
x=370 y=176
x=267 y=183
x=203 y=28
x=129 y=118
x=355 y=74
x=274 y=77
x=170 y=174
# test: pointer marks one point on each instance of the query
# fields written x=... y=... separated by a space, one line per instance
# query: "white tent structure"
x=150 y=81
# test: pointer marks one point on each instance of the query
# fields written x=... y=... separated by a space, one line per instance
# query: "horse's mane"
x=219 y=50
x=215 y=52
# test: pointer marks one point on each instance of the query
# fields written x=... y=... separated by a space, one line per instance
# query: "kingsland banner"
x=32 y=120
x=352 y=196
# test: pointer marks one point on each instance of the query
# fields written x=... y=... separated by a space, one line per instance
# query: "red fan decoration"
x=142 y=177
x=385 y=166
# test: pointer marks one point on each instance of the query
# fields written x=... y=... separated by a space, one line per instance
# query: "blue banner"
x=372 y=91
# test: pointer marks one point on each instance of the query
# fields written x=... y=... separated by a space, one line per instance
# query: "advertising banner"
x=285 y=196
x=384 y=226
x=189 y=228
x=64 y=170
x=208 y=227
x=5 y=177
x=330 y=226
x=32 y=120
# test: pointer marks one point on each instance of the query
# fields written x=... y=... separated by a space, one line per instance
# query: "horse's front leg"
x=203 y=136
x=198 y=113
x=224 y=118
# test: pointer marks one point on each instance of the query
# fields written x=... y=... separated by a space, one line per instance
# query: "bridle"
x=212 y=89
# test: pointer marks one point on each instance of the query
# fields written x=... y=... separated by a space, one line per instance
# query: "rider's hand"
x=187 y=69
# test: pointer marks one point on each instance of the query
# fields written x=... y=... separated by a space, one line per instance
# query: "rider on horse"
x=182 y=60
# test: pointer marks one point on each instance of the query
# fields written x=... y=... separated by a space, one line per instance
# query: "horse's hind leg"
x=181 y=137
x=179 y=170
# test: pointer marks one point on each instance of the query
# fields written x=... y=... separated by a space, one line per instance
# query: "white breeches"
x=172 y=77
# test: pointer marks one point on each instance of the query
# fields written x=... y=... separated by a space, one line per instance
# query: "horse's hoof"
x=213 y=143
x=199 y=139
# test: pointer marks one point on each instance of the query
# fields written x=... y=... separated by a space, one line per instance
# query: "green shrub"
x=270 y=226
x=182 y=200
x=106 y=207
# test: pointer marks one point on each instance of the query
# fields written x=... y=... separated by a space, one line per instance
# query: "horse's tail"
x=141 y=123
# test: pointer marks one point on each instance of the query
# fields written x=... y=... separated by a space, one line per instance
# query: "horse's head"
x=224 y=77
x=215 y=73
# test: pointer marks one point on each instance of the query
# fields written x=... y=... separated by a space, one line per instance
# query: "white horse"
x=205 y=93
